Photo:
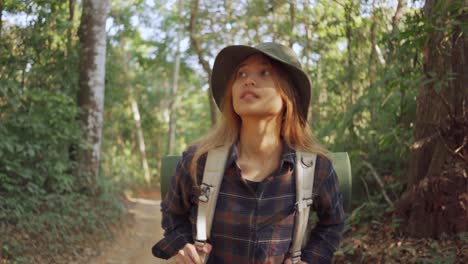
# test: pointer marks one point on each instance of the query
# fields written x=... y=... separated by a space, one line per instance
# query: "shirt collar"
x=288 y=155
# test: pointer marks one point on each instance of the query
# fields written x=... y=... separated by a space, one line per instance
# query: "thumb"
x=288 y=261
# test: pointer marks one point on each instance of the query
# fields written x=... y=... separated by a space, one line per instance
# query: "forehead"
x=255 y=59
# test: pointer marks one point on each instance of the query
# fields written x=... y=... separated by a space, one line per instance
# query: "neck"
x=260 y=139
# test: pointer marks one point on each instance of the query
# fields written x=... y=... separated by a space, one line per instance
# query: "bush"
x=41 y=210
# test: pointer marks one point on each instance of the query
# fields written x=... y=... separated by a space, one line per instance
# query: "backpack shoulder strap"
x=305 y=169
x=209 y=189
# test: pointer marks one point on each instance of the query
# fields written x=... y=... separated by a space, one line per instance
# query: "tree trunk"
x=373 y=29
x=435 y=199
x=292 y=23
x=140 y=137
x=173 y=104
x=92 y=35
x=206 y=66
x=349 y=23
x=2 y=4
x=71 y=11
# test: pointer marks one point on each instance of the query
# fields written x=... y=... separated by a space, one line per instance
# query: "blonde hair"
x=294 y=129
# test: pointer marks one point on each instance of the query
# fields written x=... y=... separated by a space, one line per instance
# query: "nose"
x=249 y=82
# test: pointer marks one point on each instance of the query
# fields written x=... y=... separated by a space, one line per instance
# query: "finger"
x=193 y=253
x=182 y=257
x=206 y=248
x=288 y=261
x=204 y=251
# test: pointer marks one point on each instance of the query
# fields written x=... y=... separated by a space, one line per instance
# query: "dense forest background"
x=389 y=87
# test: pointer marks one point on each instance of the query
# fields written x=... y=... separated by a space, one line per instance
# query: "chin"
x=257 y=114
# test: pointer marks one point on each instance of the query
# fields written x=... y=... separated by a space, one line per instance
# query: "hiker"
x=264 y=97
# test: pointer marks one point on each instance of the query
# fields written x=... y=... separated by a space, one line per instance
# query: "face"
x=254 y=91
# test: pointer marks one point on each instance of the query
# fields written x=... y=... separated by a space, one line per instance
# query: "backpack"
x=211 y=183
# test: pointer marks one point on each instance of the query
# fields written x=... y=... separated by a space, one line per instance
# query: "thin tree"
x=175 y=84
x=140 y=136
x=2 y=6
x=92 y=35
x=206 y=66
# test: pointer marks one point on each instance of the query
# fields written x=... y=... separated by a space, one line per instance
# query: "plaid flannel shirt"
x=253 y=225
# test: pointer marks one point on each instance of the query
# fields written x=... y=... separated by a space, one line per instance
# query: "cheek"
x=234 y=92
x=235 y=89
x=278 y=102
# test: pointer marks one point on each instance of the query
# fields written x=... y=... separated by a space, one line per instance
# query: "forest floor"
x=132 y=244
x=375 y=242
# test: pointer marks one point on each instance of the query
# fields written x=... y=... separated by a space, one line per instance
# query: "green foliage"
x=40 y=197
x=364 y=66
x=37 y=129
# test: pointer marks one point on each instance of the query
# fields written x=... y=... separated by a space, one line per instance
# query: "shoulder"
x=323 y=169
x=189 y=154
x=188 y=157
x=324 y=163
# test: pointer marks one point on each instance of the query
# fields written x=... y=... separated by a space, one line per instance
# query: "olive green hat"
x=231 y=56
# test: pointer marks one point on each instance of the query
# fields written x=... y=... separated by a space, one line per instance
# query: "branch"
x=194 y=40
x=365 y=187
x=423 y=142
x=379 y=181
x=203 y=62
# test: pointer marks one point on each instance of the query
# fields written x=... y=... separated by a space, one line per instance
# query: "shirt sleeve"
x=175 y=209
x=328 y=203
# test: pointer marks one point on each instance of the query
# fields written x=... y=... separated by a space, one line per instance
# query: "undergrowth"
x=57 y=224
x=44 y=209
x=373 y=235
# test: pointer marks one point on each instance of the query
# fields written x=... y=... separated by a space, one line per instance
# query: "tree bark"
x=373 y=29
x=201 y=59
x=2 y=6
x=71 y=11
x=349 y=23
x=395 y=29
x=173 y=104
x=435 y=199
x=92 y=35
x=140 y=137
x=348 y=9
x=292 y=23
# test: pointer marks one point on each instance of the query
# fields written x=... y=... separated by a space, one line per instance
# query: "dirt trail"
x=133 y=246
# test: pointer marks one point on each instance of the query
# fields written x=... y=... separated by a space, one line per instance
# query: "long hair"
x=294 y=129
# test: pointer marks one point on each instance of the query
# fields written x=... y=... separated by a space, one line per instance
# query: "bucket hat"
x=230 y=57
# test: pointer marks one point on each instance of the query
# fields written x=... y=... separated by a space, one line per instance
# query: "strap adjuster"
x=205 y=190
x=296 y=257
x=199 y=243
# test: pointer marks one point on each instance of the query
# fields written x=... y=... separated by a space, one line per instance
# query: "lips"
x=248 y=94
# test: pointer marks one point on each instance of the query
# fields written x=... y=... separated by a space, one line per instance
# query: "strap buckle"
x=306 y=163
x=205 y=190
x=306 y=202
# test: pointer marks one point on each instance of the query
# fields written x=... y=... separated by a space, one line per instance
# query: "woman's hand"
x=288 y=261
x=190 y=254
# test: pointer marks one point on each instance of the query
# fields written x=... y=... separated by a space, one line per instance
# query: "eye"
x=266 y=72
x=241 y=74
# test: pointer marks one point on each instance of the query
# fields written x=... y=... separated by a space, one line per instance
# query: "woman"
x=263 y=95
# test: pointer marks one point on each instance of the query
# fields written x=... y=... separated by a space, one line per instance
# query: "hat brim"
x=230 y=57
